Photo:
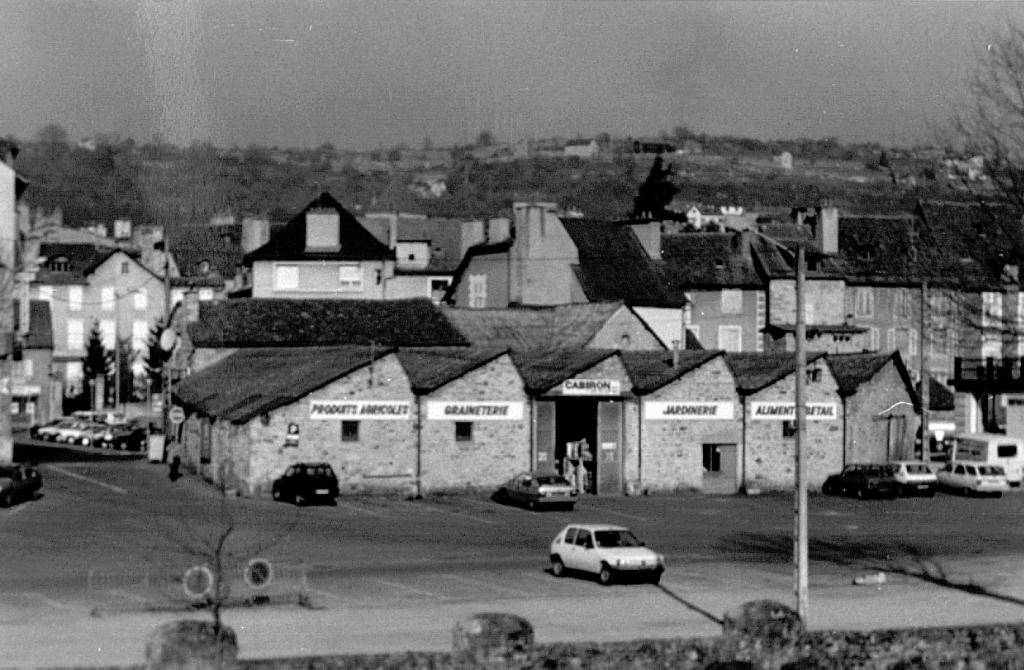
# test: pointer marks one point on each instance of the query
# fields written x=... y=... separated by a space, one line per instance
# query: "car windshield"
x=616 y=538
x=917 y=469
x=990 y=470
x=551 y=479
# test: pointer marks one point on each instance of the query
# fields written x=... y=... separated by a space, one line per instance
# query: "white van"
x=993 y=449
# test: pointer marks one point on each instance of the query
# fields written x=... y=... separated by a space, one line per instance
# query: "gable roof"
x=754 y=371
x=650 y=370
x=571 y=326
x=289 y=243
x=430 y=368
x=40 y=325
x=542 y=370
x=262 y=322
x=853 y=370
x=263 y=379
x=82 y=259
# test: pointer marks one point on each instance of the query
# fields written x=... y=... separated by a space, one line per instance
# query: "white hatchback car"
x=607 y=551
x=915 y=478
x=973 y=478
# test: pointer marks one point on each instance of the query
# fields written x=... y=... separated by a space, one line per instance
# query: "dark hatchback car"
x=863 y=480
x=303 y=483
x=18 y=482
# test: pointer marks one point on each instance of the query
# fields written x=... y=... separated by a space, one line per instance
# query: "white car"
x=607 y=551
x=915 y=478
x=973 y=478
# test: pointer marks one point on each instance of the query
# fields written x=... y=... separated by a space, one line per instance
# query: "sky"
x=367 y=74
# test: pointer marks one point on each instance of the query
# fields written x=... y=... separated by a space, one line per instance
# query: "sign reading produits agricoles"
x=786 y=411
x=591 y=387
x=359 y=410
x=692 y=410
x=441 y=410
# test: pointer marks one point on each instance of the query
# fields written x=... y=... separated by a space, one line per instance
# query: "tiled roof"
x=940 y=397
x=429 y=368
x=754 y=371
x=40 y=325
x=650 y=370
x=533 y=328
x=289 y=243
x=879 y=249
x=81 y=260
x=541 y=370
x=852 y=370
x=191 y=245
x=263 y=379
x=716 y=260
x=613 y=266
x=258 y=322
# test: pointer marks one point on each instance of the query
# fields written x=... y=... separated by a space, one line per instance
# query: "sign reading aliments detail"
x=359 y=410
x=440 y=410
x=696 y=411
x=786 y=411
x=591 y=387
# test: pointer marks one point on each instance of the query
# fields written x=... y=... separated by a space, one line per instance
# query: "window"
x=1006 y=450
x=27 y=369
x=570 y=536
x=108 y=333
x=107 y=299
x=463 y=431
x=206 y=294
x=992 y=309
x=732 y=301
x=286 y=277
x=901 y=303
x=140 y=335
x=75 y=298
x=730 y=338
x=141 y=300
x=349 y=431
x=712 y=458
x=438 y=287
x=46 y=293
x=478 y=291
x=789 y=429
x=873 y=339
x=583 y=538
x=323 y=229
x=76 y=335
x=125 y=268
x=863 y=301
x=350 y=277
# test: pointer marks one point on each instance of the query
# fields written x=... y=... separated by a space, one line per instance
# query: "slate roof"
x=191 y=245
x=853 y=370
x=289 y=243
x=709 y=260
x=40 y=324
x=264 y=322
x=444 y=235
x=474 y=251
x=754 y=371
x=650 y=370
x=879 y=250
x=533 y=328
x=613 y=266
x=430 y=368
x=940 y=397
x=542 y=370
x=263 y=379
x=82 y=259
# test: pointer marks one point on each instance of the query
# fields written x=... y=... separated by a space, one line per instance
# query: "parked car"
x=973 y=478
x=48 y=430
x=84 y=433
x=124 y=436
x=863 y=480
x=538 y=490
x=18 y=482
x=99 y=416
x=610 y=552
x=303 y=483
x=915 y=478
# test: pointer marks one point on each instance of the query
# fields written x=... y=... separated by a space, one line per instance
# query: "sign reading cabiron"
x=458 y=410
x=786 y=411
x=660 y=409
x=359 y=410
x=591 y=387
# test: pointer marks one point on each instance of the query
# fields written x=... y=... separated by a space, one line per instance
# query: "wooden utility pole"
x=800 y=498
x=926 y=447
x=8 y=239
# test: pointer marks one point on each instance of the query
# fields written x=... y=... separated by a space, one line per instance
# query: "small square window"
x=789 y=429
x=125 y=268
x=463 y=431
x=349 y=431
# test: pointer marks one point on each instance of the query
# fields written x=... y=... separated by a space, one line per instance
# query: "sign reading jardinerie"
x=440 y=410
x=361 y=410
x=660 y=409
x=591 y=387
x=786 y=411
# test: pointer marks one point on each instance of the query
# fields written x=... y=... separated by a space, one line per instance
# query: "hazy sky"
x=376 y=73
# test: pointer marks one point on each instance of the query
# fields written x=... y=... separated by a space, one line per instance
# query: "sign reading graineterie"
x=786 y=411
x=689 y=410
x=591 y=387
x=460 y=410
x=359 y=410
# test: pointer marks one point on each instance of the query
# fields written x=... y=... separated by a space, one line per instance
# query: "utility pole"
x=8 y=239
x=800 y=501
x=165 y=395
x=926 y=447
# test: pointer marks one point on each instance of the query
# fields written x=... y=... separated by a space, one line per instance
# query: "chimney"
x=826 y=230
x=191 y=306
x=497 y=229
x=393 y=231
x=255 y=233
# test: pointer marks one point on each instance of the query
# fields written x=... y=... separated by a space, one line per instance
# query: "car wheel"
x=997 y=494
x=557 y=567
x=605 y=577
x=5 y=501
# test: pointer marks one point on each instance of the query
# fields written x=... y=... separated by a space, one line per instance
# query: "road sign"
x=176 y=415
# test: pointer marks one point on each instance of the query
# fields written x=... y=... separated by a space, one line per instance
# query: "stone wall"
x=867 y=431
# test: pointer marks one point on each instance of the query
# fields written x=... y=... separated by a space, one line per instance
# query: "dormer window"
x=204 y=267
x=323 y=230
x=59 y=264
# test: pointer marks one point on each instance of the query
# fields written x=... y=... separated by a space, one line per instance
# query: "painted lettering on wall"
x=441 y=410
x=786 y=411
x=687 y=410
x=591 y=387
x=359 y=410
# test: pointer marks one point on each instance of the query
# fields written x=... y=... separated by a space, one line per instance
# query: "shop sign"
x=591 y=387
x=689 y=411
x=786 y=411
x=440 y=410
x=359 y=410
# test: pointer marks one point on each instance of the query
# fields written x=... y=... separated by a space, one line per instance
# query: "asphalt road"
x=113 y=535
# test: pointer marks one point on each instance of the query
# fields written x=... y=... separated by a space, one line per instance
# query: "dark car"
x=124 y=436
x=538 y=490
x=18 y=482
x=863 y=480
x=303 y=483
